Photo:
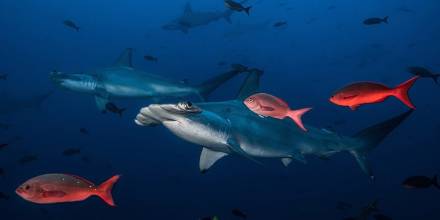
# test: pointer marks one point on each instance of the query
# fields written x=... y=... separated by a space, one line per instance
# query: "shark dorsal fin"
x=125 y=58
x=188 y=9
x=250 y=85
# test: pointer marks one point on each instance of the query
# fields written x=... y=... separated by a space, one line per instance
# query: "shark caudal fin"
x=210 y=85
x=371 y=137
x=401 y=91
x=105 y=190
x=251 y=84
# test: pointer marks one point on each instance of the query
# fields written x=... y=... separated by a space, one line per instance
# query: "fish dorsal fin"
x=208 y=158
x=250 y=85
x=125 y=58
x=188 y=9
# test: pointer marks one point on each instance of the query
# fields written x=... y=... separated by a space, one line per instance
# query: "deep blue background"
x=324 y=47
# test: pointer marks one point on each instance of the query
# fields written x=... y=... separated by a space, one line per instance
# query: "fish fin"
x=401 y=92
x=227 y=17
x=371 y=137
x=435 y=182
x=354 y=107
x=286 y=161
x=435 y=78
x=52 y=194
x=208 y=158
x=235 y=147
x=385 y=19
x=250 y=85
x=296 y=115
x=125 y=58
x=101 y=102
x=210 y=85
x=247 y=9
x=105 y=190
x=121 y=111
x=188 y=9
x=267 y=108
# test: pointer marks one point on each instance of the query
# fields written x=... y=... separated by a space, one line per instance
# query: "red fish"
x=361 y=93
x=268 y=105
x=58 y=188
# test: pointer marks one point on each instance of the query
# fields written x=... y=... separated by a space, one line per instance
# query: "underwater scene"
x=220 y=109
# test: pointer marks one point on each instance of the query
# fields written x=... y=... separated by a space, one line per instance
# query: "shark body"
x=224 y=128
x=123 y=81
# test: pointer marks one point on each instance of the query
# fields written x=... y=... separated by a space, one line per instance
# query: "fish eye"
x=27 y=187
x=250 y=100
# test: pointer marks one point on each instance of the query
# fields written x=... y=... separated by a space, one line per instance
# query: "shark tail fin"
x=210 y=85
x=371 y=137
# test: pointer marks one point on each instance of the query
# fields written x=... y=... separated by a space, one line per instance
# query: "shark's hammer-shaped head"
x=189 y=122
x=78 y=82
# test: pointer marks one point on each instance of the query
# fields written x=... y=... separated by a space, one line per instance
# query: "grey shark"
x=9 y=104
x=224 y=128
x=191 y=19
x=123 y=81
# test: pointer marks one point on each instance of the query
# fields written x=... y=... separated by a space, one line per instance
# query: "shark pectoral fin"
x=235 y=147
x=286 y=161
x=208 y=158
x=361 y=158
x=101 y=102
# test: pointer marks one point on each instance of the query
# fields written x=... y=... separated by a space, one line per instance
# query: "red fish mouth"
x=19 y=191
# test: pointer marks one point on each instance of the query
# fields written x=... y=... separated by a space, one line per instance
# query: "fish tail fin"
x=227 y=16
x=385 y=19
x=247 y=9
x=207 y=87
x=371 y=137
x=105 y=190
x=435 y=78
x=296 y=115
x=435 y=182
x=121 y=111
x=401 y=92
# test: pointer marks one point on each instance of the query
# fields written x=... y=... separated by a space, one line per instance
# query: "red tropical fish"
x=361 y=93
x=58 y=188
x=268 y=105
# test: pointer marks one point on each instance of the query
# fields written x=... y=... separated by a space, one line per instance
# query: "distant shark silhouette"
x=191 y=19
x=229 y=127
x=123 y=81
x=10 y=104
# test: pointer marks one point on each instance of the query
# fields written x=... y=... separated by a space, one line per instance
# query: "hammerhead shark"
x=229 y=127
x=191 y=19
x=121 y=80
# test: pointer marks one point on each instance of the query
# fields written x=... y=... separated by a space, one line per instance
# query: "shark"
x=191 y=19
x=10 y=104
x=230 y=128
x=122 y=80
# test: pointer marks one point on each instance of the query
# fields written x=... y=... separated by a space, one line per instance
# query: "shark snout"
x=154 y=114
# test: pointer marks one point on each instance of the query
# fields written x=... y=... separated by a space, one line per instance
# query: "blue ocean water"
x=324 y=46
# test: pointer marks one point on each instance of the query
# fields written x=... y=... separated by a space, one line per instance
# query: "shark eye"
x=188 y=107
